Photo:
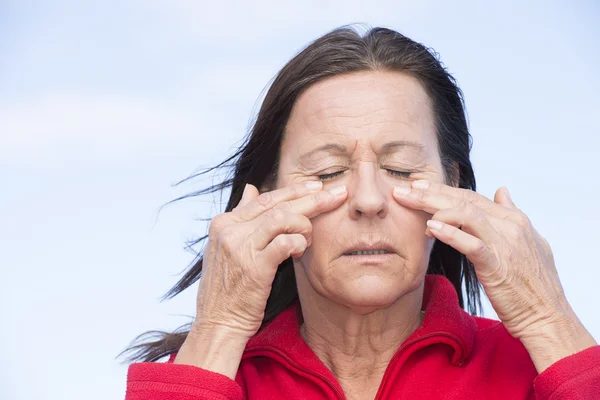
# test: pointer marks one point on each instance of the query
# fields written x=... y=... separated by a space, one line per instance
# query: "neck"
x=357 y=344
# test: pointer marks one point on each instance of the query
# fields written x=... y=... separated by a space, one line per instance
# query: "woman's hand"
x=512 y=261
x=245 y=247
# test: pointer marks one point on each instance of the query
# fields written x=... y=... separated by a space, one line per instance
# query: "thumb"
x=502 y=196
x=250 y=193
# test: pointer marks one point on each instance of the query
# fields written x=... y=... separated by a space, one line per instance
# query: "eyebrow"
x=329 y=147
x=391 y=146
x=386 y=148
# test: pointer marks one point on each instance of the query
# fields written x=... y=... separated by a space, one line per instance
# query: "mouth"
x=370 y=250
x=369 y=257
x=367 y=252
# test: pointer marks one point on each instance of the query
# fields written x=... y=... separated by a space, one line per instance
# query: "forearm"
x=216 y=350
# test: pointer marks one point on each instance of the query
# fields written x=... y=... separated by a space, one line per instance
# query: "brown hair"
x=340 y=51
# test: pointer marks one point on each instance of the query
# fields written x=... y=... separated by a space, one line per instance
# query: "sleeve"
x=576 y=377
x=168 y=381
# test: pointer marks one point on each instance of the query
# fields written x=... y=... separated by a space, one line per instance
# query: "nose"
x=367 y=195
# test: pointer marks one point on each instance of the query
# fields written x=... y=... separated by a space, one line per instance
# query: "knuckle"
x=453 y=233
x=297 y=190
x=422 y=196
x=284 y=243
x=277 y=216
x=319 y=201
x=522 y=219
x=264 y=199
x=226 y=237
x=216 y=225
x=479 y=249
x=514 y=232
x=284 y=206
x=305 y=221
x=302 y=242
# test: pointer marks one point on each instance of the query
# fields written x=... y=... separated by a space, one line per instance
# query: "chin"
x=368 y=293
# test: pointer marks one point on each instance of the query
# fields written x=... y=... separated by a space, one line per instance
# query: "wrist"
x=217 y=349
x=552 y=342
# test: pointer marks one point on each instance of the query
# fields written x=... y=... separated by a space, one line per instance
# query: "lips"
x=369 y=248
x=368 y=252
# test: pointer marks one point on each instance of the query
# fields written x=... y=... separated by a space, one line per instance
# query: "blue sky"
x=105 y=105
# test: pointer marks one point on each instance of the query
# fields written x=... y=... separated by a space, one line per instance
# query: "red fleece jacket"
x=452 y=355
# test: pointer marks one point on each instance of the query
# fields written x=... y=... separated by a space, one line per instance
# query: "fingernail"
x=401 y=191
x=507 y=193
x=435 y=225
x=314 y=185
x=421 y=184
x=338 y=191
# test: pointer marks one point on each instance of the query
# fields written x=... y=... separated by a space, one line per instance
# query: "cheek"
x=414 y=226
x=327 y=235
x=420 y=219
x=327 y=243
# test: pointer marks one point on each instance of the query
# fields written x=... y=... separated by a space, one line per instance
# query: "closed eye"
x=332 y=175
x=400 y=174
x=392 y=172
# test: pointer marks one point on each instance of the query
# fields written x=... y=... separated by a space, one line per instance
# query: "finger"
x=267 y=200
x=428 y=233
x=316 y=203
x=471 y=220
x=432 y=197
x=275 y=222
x=502 y=196
x=283 y=247
x=474 y=248
x=250 y=193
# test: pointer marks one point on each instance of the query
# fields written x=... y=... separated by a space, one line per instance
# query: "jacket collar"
x=444 y=320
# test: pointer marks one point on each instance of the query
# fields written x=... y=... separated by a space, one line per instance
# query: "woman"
x=336 y=270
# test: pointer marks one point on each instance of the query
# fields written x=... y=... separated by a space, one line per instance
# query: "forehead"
x=366 y=107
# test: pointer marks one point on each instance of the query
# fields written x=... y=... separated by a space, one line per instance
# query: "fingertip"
x=401 y=191
x=502 y=196
x=245 y=191
x=434 y=225
x=299 y=252
x=250 y=192
x=507 y=195
x=339 y=191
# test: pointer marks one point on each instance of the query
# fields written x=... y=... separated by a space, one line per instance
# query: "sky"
x=104 y=106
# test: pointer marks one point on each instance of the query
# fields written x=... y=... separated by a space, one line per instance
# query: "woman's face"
x=370 y=131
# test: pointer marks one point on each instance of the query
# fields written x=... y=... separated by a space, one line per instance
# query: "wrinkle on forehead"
x=361 y=111
x=361 y=96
